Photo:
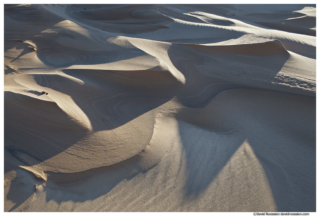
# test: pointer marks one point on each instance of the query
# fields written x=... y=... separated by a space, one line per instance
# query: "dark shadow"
x=106 y=177
x=25 y=22
x=210 y=70
x=274 y=153
x=120 y=19
x=214 y=152
x=22 y=185
x=8 y=70
x=55 y=55
x=30 y=142
x=36 y=92
x=293 y=26
x=282 y=18
x=117 y=96
x=132 y=98
x=111 y=103
x=206 y=159
x=26 y=48
x=302 y=186
x=279 y=20
x=37 y=127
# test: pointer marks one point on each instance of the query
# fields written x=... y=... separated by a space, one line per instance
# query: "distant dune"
x=160 y=108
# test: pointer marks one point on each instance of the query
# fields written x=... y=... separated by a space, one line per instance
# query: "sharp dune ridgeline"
x=160 y=108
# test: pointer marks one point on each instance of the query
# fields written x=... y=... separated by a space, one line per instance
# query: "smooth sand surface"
x=160 y=108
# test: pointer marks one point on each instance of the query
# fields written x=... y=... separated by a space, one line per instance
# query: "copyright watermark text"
x=280 y=213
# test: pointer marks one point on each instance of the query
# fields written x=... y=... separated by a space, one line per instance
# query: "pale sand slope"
x=160 y=108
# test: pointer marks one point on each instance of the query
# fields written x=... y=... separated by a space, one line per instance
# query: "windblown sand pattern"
x=160 y=108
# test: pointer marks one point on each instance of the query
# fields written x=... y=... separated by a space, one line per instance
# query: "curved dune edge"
x=160 y=108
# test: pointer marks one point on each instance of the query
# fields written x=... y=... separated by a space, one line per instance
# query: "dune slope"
x=160 y=108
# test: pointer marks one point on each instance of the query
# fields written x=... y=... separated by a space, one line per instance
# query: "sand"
x=160 y=108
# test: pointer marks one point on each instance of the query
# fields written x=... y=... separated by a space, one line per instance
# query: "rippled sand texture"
x=160 y=108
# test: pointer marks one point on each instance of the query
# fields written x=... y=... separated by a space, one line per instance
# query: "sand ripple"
x=160 y=107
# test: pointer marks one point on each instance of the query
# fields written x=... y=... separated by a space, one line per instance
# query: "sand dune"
x=160 y=108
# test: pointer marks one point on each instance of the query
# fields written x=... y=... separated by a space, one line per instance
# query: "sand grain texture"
x=160 y=108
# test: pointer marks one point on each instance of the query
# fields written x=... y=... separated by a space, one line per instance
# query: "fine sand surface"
x=160 y=108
